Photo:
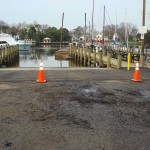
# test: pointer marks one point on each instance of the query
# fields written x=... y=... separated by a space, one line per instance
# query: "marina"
x=27 y=55
x=75 y=75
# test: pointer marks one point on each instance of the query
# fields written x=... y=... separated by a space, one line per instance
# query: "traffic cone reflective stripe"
x=136 y=77
x=41 y=73
x=137 y=66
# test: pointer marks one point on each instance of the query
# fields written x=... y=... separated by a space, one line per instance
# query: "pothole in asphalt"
x=87 y=96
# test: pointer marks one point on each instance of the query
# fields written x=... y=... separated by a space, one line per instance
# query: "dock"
x=9 y=55
x=107 y=56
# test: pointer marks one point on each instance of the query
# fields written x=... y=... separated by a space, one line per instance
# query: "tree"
x=53 y=33
x=34 y=31
x=78 y=32
x=44 y=28
x=22 y=34
x=31 y=33
x=14 y=31
x=131 y=30
x=4 y=26
x=109 y=30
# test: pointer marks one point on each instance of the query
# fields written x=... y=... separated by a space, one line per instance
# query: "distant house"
x=98 y=37
x=46 y=40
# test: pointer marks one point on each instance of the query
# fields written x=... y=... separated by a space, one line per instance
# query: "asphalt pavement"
x=76 y=109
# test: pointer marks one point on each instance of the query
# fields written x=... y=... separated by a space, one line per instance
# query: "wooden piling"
x=119 y=61
x=94 y=58
x=70 y=50
x=108 y=59
x=81 y=56
x=104 y=51
x=85 y=50
x=8 y=55
x=89 y=58
x=78 y=55
x=100 y=58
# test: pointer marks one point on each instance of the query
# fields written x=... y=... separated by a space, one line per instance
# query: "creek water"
x=30 y=56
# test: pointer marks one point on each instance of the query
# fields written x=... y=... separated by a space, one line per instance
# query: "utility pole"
x=142 y=57
x=143 y=23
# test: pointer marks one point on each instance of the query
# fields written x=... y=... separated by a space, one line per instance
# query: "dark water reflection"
x=30 y=56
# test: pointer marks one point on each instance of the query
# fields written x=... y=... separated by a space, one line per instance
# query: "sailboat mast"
x=126 y=29
x=116 y=23
x=115 y=39
x=61 y=31
x=125 y=37
x=89 y=31
x=92 y=22
x=85 y=31
x=104 y=23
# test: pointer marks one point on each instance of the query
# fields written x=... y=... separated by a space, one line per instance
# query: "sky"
x=50 y=12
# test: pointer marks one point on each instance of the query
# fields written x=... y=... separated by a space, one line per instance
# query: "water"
x=30 y=56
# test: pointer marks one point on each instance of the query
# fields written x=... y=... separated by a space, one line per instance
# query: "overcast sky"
x=50 y=12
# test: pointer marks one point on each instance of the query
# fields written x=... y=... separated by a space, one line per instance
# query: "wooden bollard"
x=104 y=52
x=73 y=51
x=94 y=57
x=84 y=56
x=108 y=59
x=70 y=50
x=78 y=57
x=89 y=58
x=81 y=56
x=119 y=60
x=100 y=58
x=75 y=55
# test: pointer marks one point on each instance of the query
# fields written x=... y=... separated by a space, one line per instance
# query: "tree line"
x=34 y=31
x=123 y=31
x=38 y=32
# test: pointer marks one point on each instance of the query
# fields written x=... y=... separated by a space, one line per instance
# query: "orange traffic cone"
x=41 y=74
x=136 y=77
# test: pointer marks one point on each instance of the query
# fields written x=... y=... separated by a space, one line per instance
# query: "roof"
x=46 y=38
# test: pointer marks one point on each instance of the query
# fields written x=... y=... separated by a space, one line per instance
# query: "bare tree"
x=109 y=30
x=132 y=30
x=2 y=23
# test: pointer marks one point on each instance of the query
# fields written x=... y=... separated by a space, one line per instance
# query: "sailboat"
x=7 y=39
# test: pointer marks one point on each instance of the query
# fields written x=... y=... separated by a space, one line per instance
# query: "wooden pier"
x=105 y=56
x=9 y=56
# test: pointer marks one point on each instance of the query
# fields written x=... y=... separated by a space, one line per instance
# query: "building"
x=46 y=40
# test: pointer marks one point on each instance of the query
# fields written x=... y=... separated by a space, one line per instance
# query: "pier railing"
x=105 y=56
